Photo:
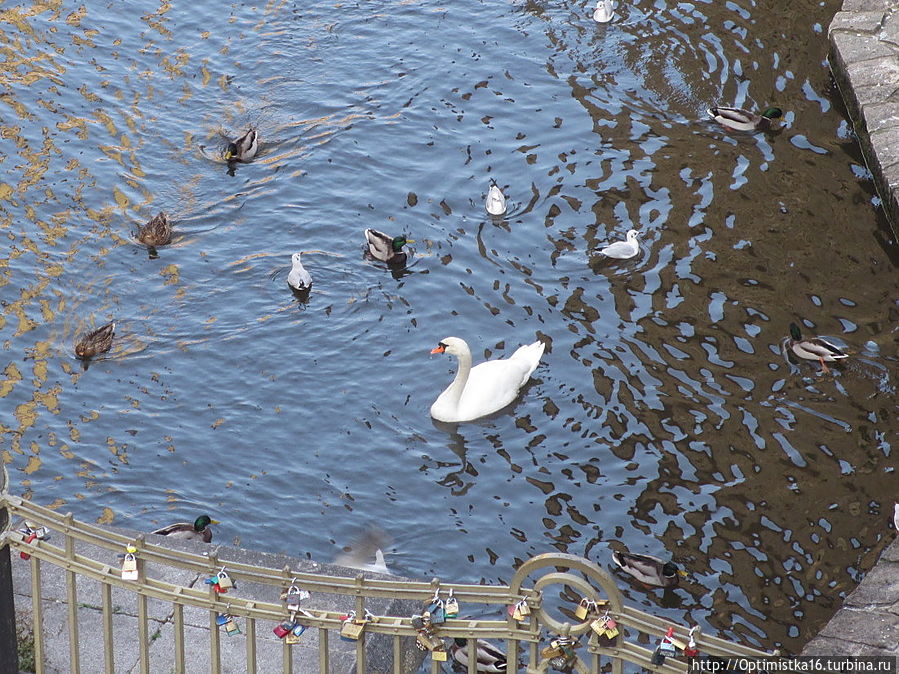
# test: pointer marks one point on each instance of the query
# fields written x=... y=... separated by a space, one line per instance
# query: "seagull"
x=896 y=516
x=299 y=279
x=603 y=11
x=496 y=202
x=623 y=250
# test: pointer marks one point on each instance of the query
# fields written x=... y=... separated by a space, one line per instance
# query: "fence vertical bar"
x=72 y=599
x=251 y=643
x=143 y=633
x=323 y=665
x=286 y=657
x=215 y=656
x=397 y=655
x=178 y=615
x=108 y=649
x=37 y=615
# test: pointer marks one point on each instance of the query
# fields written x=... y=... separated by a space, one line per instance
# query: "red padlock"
x=29 y=539
x=283 y=629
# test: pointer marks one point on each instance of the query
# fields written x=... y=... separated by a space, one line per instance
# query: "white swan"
x=485 y=388
x=622 y=250
x=496 y=201
x=603 y=11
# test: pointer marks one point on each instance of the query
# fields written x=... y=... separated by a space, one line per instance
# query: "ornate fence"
x=599 y=633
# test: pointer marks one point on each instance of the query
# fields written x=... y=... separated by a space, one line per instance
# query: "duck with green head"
x=814 y=348
x=244 y=148
x=198 y=531
x=387 y=248
x=739 y=119
x=649 y=570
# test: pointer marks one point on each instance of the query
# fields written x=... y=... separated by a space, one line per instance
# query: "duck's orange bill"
x=438 y=349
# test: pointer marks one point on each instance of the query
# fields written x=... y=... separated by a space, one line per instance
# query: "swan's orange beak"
x=438 y=349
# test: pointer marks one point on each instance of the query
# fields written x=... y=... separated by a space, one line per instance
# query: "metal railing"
x=533 y=636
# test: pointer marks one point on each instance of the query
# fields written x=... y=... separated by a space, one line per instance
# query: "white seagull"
x=623 y=250
x=299 y=279
x=496 y=202
x=603 y=11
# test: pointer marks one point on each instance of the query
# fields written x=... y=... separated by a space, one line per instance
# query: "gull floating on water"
x=496 y=202
x=623 y=250
x=299 y=279
x=603 y=11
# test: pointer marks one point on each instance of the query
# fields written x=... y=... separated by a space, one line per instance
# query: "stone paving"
x=864 y=58
x=868 y=622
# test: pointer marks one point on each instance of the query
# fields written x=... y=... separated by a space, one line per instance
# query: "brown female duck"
x=98 y=341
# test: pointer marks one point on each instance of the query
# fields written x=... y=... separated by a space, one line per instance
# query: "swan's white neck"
x=454 y=390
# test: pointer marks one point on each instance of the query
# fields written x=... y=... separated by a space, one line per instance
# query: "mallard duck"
x=198 y=531
x=244 y=148
x=649 y=570
x=603 y=11
x=485 y=388
x=157 y=232
x=98 y=341
x=814 y=348
x=385 y=248
x=743 y=120
x=489 y=657
x=298 y=278
x=496 y=201
x=623 y=250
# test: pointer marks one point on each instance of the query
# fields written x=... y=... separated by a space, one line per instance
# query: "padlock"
x=28 y=539
x=690 y=650
x=560 y=663
x=551 y=651
x=418 y=622
x=231 y=627
x=583 y=609
x=451 y=606
x=129 y=566
x=293 y=598
x=524 y=608
x=351 y=630
x=295 y=634
x=658 y=657
x=223 y=580
x=438 y=655
x=283 y=629
x=430 y=642
x=436 y=611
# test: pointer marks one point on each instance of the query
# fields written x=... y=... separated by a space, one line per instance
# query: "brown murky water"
x=664 y=417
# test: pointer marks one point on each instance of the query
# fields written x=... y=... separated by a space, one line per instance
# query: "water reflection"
x=664 y=418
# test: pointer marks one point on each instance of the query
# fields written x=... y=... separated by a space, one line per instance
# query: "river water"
x=664 y=417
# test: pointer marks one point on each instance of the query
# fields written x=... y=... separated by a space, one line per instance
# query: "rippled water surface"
x=663 y=418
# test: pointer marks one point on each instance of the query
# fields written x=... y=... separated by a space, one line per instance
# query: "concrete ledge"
x=868 y=622
x=864 y=59
x=269 y=649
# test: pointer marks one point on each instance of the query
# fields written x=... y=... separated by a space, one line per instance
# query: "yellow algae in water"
x=106 y=517
x=5 y=191
x=12 y=375
x=218 y=422
x=26 y=413
x=34 y=462
x=49 y=399
x=171 y=274
x=74 y=19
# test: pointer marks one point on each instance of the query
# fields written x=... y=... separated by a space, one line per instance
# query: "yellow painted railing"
x=535 y=635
